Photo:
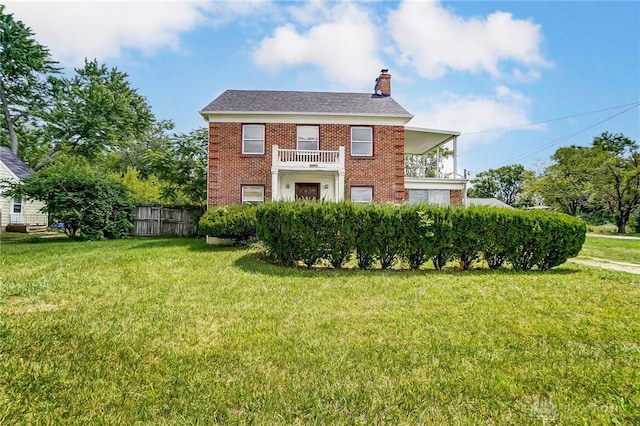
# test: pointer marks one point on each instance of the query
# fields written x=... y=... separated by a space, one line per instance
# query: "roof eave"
x=206 y=113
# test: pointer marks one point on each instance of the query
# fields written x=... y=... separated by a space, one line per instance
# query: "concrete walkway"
x=614 y=236
x=632 y=268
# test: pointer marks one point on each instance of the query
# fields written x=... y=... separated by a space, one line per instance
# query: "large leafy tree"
x=504 y=183
x=618 y=178
x=24 y=67
x=567 y=184
x=182 y=166
x=95 y=111
x=603 y=177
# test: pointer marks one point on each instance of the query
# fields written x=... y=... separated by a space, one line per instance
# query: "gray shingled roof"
x=9 y=159
x=267 y=101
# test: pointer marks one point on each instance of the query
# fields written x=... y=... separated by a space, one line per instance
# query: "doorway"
x=307 y=191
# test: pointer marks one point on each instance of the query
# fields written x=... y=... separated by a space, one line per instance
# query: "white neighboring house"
x=19 y=212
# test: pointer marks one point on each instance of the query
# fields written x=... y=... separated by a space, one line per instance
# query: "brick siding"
x=456 y=197
x=229 y=169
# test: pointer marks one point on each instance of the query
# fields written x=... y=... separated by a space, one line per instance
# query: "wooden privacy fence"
x=156 y=220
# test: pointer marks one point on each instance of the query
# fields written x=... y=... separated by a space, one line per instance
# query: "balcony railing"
x=28 y=219
x=308 y=159
x=423 y=166
x=296 y=156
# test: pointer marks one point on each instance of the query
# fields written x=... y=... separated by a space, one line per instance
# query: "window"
x=308 y=138
x=361 y=141
x=362 y=194
x=252 y=194
x=16 y=205
x=440 y=197
x=253 y=139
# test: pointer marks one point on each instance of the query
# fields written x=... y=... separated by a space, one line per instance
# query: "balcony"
x=294 y=159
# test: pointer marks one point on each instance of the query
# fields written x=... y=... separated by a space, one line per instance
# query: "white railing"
x=305 y=159
x=298 y=156
x=28 y=219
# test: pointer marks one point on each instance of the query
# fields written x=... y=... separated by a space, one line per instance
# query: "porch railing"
x=305 y=159
x=28 y=219
x=423 y=166
x=299 y=156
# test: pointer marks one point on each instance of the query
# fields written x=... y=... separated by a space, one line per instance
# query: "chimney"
x=383 y=83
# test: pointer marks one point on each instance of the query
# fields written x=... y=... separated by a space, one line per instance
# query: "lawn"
x=616 y=249
x=170 y=331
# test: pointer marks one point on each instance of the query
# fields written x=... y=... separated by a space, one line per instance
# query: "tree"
x=90 y=204
x=95 y=111
x=24 y=67
x=567 y=184
x=504 y=183
x=183 y=168
x=618 y=177
x=603 y=177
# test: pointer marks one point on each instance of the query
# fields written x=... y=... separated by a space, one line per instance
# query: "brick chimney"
x=383 y=83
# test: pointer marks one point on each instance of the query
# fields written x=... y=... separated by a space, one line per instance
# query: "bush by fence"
x=308 y=232
x=236 y=221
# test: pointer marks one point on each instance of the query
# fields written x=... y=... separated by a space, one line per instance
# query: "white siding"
x=30 y=206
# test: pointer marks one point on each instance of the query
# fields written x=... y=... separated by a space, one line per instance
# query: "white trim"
x=317 y=140
x=426 y=130
x=13 y=175
x=254 y=140
x=242 y=196
x=435 y=183
x=371 y=151
x=361 y=187
x=305 y=118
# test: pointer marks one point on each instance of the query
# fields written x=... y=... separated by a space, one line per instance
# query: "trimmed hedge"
x=235 y=221
x=387 y=235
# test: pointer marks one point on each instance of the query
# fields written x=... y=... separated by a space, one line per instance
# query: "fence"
x=156 y=220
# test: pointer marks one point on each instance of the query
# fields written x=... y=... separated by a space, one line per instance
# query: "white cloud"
x=434 y=40
x=342 y=41
x=470 y=114
x=74 y=30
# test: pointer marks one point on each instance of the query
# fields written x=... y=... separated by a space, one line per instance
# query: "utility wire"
x=632 y=104
x=563 y=138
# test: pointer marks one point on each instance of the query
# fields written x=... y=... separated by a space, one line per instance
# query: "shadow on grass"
x=252 y=262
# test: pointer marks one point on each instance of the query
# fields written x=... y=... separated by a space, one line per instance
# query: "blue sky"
x=465 y=66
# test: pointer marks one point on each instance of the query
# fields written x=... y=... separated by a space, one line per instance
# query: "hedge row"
x=235 y=221
x=309 y=232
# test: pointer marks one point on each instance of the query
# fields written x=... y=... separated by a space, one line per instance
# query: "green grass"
x=170 y=331
x=615 y=249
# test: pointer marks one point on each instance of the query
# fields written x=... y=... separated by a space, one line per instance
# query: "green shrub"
x=91 y=205
x=419 y=237
x=308 y=232
x=338 y=220
x=236 y=221
x=634 y=223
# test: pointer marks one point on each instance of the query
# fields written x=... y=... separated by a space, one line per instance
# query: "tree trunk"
x=622 y=224
x=7 y=116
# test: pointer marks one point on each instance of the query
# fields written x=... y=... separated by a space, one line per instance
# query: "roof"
x=13 y=163
x=331 y=103
x=491 y=202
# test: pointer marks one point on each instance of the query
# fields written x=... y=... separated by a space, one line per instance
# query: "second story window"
x=253 y=139
x=308 y=137
x=361 y=141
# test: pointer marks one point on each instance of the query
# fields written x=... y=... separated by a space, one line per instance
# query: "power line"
x=563 y=138
x=633 y=105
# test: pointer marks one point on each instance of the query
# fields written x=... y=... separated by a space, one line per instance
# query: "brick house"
x=283 y=145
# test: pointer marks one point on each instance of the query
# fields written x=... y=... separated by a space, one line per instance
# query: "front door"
x=307 y=191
